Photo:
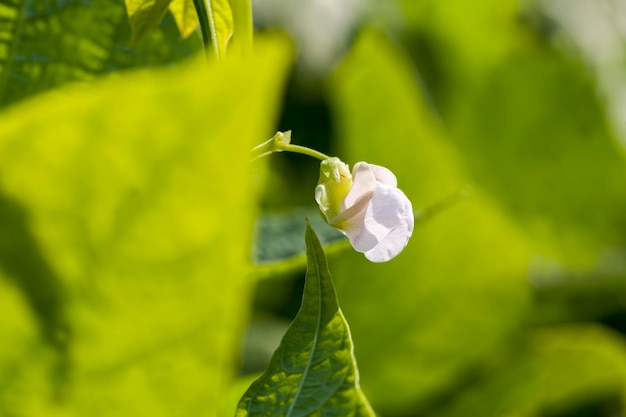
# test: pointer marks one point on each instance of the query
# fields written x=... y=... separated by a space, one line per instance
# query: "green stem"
x=243 y=25
x=304 y=151
x=205 y=26
x=282 y=142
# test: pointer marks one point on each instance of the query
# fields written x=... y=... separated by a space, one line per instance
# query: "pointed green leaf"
x=185 y=16
x=314 y=369
x=144 y=16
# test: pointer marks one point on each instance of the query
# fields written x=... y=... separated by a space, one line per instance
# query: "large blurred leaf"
x=313 y=371
x=558 y=371
x=529 y=122
x=50 y=43
x=458 y=291
x=544 y=149
x=131 y=202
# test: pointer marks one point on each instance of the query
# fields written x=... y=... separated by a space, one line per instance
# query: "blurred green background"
x=148 y=269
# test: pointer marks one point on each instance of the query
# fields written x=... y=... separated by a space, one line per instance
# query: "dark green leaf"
x=51 y=43
x=558 y=370
x=313 y=371
x=279 y=235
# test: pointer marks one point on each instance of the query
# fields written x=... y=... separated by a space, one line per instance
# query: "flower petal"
x=363 y=184
x=387 y=225
x=384 y=176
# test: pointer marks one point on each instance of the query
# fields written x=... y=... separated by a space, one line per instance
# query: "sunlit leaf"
x=127 y=242
x=185 y=16
x=53 y=43
x=313 y=371
x=459 y=289
x=529 y=121
x=144 y=16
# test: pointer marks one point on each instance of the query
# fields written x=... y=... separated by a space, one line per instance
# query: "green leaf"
x=459 y=290
x=49 y=44
x=144 y=16
x=279 y=235
x=313 y=371
x=185 y=15
x=10 y=15
x=529 y=121
x=124 y=241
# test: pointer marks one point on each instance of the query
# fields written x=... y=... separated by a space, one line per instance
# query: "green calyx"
x=334 y=183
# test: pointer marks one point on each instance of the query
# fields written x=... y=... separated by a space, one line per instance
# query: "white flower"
x=366 y=206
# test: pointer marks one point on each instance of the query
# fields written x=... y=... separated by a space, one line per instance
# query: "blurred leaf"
x=544 y=149
x=567 y=294
x=185 y=16
x=10 y=11
x=61 y=41
x=279 y=235
x=313 y=371
x=559 y=370
x=458 y=291
x=145 y=15
x=115 y=199
x=529 y=122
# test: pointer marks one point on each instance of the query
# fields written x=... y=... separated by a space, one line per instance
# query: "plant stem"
x=303 y=150
x=205 y=28
x=282 y=142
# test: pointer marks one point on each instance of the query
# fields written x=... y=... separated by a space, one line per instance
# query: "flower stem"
x=282 y=142
x=304 y=151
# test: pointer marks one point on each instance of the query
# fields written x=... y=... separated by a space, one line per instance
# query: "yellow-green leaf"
x=185 y=16
x=126 y=211
x=144 y=16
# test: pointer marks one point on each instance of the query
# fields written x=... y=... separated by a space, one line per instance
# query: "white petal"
x=387 y=225
x=363 y=184
x=383 y=175
x=354 y=204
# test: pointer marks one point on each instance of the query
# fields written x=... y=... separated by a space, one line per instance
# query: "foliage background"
x=130 y=283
